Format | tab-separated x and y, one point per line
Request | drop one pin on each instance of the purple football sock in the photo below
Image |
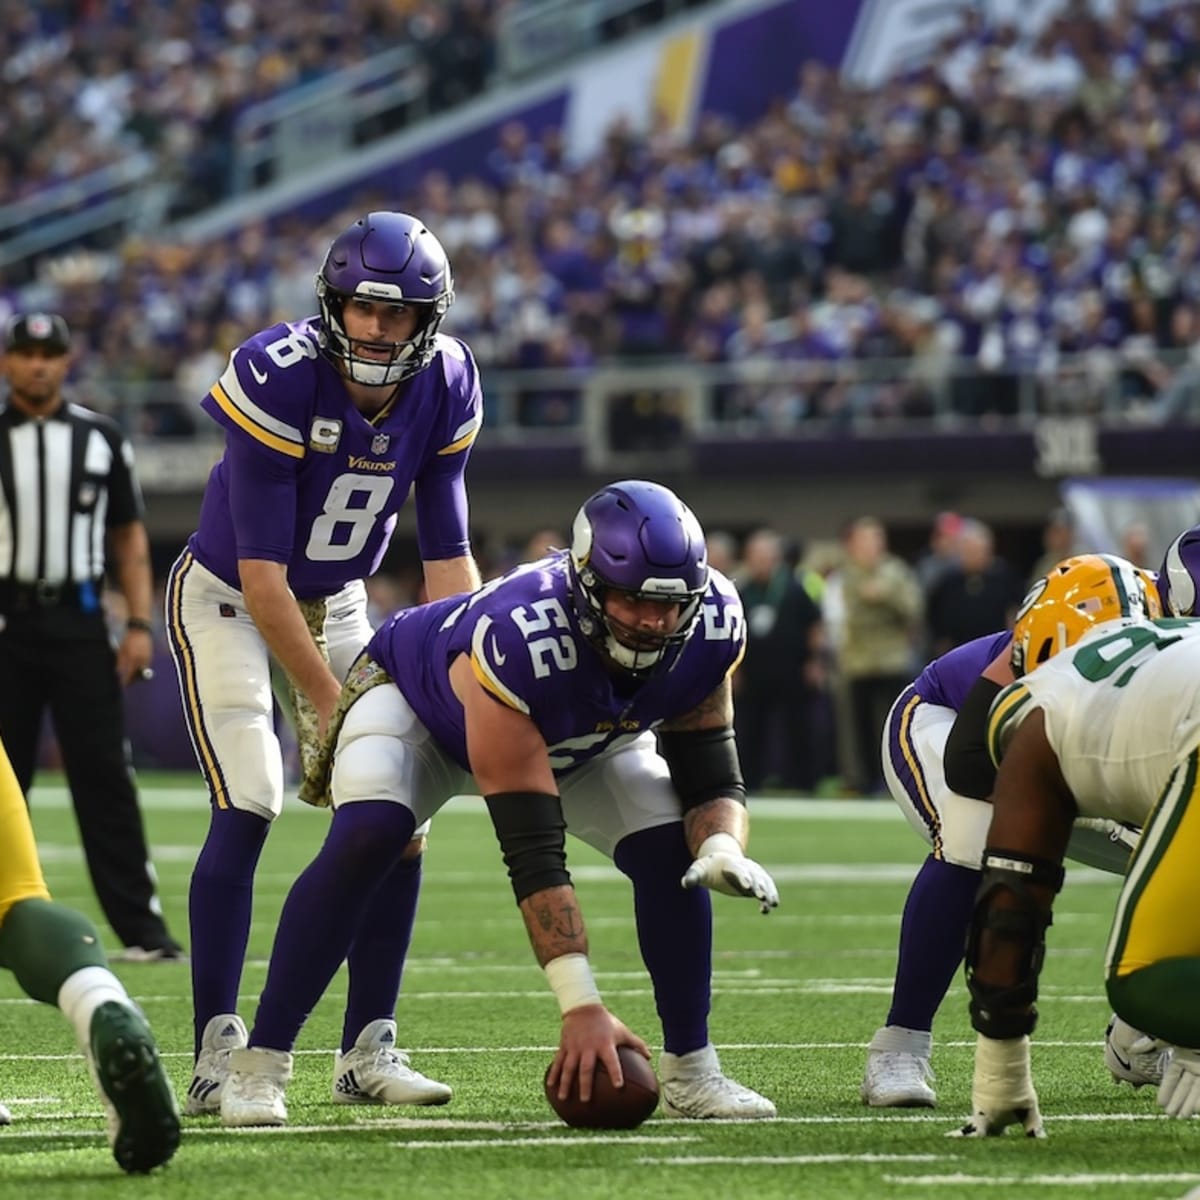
219	905
322	912
376	958
674	932
933	935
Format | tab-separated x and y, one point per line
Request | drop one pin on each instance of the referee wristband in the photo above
139	623
571	980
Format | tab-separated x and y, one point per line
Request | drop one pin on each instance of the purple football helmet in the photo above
1178	576
392	257
639	538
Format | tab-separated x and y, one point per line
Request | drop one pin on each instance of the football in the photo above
610	1107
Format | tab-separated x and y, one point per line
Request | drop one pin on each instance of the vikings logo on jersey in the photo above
527	650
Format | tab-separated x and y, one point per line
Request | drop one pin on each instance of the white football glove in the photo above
722	867
1132	1056
1002	1094
1179	1092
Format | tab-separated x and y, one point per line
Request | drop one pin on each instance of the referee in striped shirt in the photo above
70	510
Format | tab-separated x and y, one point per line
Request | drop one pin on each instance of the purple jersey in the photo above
309	481
948	679
526	649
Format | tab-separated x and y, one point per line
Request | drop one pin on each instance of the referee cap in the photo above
34	330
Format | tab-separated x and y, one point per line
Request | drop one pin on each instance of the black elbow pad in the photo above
967	765
532	836
703	765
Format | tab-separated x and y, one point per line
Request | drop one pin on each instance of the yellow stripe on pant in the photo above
20	871
1154	917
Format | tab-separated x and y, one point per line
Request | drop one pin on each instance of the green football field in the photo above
797	996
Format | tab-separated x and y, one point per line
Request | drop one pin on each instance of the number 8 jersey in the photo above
1121	709
306	479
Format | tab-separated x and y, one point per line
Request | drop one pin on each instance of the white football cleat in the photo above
222	1035
254	1088
694	1087
373	1071
898	1073
1132	1056
5	1116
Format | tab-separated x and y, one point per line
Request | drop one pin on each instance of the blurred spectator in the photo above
882	611
782	672
1058	542
722	549
942	552
978	595
1135	545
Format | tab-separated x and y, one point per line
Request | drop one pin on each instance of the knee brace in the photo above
999	1011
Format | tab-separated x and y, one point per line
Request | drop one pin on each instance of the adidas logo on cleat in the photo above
201	1089
230	1030
347	1085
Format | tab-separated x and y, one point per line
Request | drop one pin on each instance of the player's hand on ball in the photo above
721	866
1002	1094
1179	1092
590	1034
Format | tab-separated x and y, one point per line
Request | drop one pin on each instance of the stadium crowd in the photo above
85	84
1022	206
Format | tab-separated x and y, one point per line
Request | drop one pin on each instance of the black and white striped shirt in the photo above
65	479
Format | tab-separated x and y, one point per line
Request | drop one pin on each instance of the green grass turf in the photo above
797	996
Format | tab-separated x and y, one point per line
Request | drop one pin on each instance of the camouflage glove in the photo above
304	714
365	674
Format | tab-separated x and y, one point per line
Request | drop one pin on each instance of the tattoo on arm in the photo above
722	815
554	923
713	712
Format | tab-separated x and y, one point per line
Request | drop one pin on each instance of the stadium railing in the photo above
611	412
114	201
331	116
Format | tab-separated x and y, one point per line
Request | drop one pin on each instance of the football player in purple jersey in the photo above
588	691
936	764
329	423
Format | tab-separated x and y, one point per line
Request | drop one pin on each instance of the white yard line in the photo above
1087	1180
797	1047
785	1160
573	1141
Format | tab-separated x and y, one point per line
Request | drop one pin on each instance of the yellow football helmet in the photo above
1076	595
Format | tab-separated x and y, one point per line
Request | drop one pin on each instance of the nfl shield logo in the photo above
380	443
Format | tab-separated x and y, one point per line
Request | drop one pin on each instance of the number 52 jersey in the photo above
309	481
1121	710
527	650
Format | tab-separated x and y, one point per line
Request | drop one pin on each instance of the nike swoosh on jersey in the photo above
498	658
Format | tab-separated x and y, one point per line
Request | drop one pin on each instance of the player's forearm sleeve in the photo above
966	762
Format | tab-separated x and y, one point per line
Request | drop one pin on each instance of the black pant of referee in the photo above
56	656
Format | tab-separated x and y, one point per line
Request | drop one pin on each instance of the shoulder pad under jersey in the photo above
267	390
